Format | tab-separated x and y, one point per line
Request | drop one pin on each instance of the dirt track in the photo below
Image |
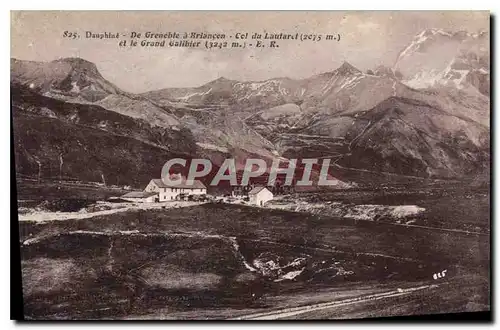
125	207
287	312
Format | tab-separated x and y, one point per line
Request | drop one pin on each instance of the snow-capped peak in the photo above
435	56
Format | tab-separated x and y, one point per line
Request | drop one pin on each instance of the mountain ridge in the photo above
437	131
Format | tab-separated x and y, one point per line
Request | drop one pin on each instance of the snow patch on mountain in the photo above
189	96
286	110
211	146
436	57
447	77
263	88
414	45
75	88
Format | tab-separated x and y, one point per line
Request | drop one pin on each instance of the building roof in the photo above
197	184
257	190
139	194
159	183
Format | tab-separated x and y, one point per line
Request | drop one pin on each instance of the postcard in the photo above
251	165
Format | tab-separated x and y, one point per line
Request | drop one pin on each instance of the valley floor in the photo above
223	261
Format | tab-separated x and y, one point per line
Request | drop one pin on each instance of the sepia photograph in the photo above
251	165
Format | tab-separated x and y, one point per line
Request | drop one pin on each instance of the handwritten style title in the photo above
207	40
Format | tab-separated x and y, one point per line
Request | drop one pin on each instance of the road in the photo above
287	312
43	216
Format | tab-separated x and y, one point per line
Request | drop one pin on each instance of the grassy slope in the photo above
91	141
87	153
218	285
32	191
451	206
293	228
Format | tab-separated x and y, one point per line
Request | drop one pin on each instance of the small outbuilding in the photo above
260	195
141	197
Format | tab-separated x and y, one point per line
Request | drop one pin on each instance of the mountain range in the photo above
428	116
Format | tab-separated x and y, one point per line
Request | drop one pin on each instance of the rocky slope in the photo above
79	81
341	90
57	139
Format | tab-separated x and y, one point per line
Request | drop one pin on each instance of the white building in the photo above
260	195
141	197
172	192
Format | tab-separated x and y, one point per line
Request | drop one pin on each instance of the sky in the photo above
368	39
